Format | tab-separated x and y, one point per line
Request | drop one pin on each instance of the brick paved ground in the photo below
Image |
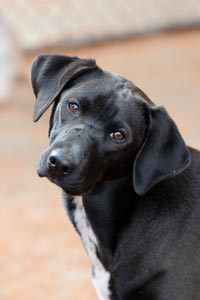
41	255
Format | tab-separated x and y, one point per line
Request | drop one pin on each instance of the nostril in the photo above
53	161
59	164
65	170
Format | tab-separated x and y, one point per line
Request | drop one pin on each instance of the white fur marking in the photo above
101	277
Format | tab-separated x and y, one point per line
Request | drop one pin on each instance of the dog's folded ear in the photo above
51	73
163	154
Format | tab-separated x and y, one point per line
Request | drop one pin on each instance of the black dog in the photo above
130	184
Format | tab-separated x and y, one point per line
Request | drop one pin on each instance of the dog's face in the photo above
102	127
93	134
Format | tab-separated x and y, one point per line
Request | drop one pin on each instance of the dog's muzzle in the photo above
69	163
59	164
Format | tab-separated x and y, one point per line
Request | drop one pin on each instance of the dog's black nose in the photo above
59	164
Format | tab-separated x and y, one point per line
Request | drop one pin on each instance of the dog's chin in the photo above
72	185
72	188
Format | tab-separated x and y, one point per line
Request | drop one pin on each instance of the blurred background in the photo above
154	43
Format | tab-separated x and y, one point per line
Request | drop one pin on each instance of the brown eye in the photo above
73	107
117	135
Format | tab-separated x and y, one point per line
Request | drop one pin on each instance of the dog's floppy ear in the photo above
163	154
50	74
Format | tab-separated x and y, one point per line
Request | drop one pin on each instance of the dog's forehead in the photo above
105	86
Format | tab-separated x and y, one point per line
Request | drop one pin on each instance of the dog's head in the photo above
102	127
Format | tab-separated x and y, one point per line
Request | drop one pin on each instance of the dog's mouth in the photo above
75	175
72	185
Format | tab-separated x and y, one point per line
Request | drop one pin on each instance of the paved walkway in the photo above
41	255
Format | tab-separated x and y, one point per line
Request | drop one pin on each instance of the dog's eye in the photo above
73	107
117	135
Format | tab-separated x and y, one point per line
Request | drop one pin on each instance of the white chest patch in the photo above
101	277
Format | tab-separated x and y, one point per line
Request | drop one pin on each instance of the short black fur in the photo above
141	195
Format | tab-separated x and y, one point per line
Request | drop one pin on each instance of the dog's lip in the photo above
40	173
73	187
66	183
71	184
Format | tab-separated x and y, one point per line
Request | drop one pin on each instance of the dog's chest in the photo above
101	278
